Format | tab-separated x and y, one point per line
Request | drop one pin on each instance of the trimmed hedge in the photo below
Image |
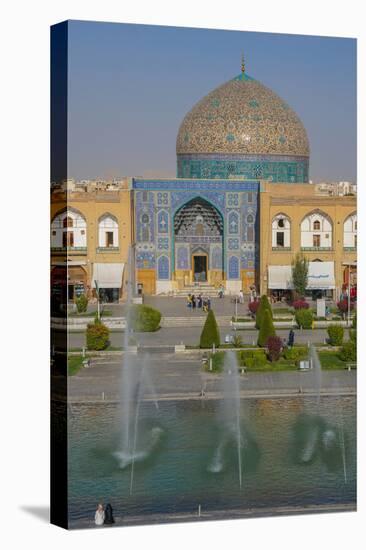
97	336
210	333
266	329
264	305
144	318
295	354
349	351
336	334
252	359
304	318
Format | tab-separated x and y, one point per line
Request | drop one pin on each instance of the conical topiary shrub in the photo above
210	333
263	306
266	330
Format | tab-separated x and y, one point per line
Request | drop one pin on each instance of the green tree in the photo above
266	329
210	333
300	271
264	305
304	318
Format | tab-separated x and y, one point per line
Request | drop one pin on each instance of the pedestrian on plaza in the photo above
208	303
193	301
291	338
205	304
108	515
241	296
221	291
199	301
99	515
189	300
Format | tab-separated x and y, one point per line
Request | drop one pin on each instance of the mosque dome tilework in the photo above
242	116
243	122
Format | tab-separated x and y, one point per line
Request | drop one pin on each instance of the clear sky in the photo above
131	85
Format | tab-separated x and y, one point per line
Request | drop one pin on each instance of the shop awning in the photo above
108	275
321	275
280	277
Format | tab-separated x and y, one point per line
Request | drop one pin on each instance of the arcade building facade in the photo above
239	210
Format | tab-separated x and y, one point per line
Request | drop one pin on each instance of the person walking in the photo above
241	296
199	301
189	300
108	515
99	515
291	338
193	301
208	303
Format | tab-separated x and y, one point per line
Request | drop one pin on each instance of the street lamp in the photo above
98	305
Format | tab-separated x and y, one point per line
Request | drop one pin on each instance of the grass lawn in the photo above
74	364
105	313
330	360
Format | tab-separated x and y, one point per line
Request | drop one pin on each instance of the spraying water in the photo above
310	426
135	385
229	415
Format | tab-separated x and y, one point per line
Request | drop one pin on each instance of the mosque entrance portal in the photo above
198	235
200	268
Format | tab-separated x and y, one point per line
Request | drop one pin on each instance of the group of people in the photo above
104	516
199	302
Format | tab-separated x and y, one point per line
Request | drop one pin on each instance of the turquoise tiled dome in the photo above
245	117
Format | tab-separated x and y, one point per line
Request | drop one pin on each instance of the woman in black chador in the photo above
108	515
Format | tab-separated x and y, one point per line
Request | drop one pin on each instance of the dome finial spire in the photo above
242	63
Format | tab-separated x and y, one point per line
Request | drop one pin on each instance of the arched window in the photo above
250	234
281	232
68	230
68	222
316	231
216	258
108	231
233	222
199	230
163	268
350	232
234	267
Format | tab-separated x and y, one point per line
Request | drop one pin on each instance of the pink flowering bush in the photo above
274	347
343	306
300	304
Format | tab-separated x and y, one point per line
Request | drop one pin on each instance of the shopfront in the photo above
321	281
108	277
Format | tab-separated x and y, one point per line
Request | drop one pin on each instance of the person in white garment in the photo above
99	515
